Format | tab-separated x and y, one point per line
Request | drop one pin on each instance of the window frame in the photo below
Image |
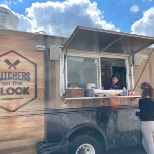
126	58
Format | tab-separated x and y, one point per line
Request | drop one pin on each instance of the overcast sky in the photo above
61	17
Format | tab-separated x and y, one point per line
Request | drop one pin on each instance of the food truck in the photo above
52	90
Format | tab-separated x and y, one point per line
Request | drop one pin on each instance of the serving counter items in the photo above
130	92
88	92
107	92
74	91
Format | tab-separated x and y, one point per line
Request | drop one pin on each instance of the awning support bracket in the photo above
112	43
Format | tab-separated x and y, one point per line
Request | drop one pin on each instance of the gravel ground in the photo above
133	150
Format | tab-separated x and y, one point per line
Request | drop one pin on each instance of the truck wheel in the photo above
84	144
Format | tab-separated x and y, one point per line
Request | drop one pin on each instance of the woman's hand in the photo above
137	110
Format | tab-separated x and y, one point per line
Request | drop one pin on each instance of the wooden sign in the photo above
18	81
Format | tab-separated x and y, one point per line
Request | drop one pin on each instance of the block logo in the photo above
18	81
12	65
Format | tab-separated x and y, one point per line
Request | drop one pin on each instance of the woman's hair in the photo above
115	76
147	90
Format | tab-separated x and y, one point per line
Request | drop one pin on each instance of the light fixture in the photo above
40	47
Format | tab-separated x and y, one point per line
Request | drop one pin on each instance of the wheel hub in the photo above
85	149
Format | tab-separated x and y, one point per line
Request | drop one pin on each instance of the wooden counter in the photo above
131	98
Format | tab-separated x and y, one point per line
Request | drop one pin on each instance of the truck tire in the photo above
84	144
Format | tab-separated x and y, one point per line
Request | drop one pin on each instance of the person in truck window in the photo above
146	114
114	83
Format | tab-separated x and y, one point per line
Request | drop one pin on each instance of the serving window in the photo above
95	71
110	66
81	71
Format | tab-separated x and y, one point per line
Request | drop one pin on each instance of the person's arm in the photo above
118	85
137	112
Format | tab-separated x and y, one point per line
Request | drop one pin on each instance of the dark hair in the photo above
115	76
147	90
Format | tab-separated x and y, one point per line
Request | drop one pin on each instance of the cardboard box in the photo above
70	93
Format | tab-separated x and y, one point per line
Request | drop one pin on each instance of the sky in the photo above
61	17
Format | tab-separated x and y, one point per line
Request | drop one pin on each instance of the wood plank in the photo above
30	149
21	135
18	143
